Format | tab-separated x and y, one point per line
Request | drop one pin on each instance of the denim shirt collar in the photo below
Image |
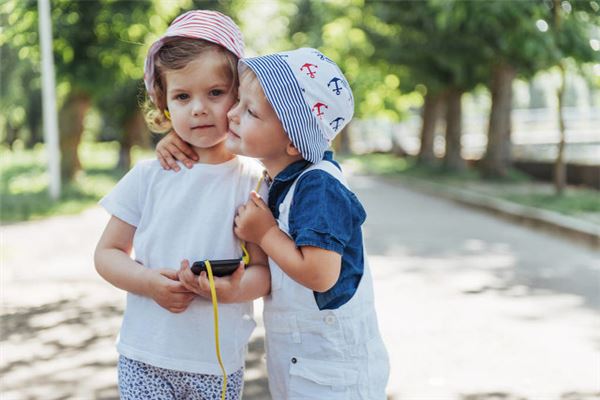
279	186
292	171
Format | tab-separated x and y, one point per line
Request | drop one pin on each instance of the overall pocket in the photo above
320	379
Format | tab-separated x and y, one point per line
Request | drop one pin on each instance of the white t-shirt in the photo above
184	215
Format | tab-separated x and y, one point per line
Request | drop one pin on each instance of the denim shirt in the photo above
324	214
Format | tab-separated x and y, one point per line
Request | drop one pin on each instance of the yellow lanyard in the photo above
213	296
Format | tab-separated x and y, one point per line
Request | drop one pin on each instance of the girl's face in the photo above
254	128
198	98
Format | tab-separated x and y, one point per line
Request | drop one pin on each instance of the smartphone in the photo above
219	267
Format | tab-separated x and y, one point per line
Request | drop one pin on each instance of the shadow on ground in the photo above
65	350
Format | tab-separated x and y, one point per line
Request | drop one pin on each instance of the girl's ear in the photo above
291	150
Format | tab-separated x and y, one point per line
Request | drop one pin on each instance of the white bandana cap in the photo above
211	26
310	95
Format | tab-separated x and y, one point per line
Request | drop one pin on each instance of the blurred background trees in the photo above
402	58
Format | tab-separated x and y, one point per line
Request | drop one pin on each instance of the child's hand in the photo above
172	148
168	292
227	287
253	220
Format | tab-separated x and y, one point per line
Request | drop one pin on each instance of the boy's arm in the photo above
245	284
114	264
172	148
315	268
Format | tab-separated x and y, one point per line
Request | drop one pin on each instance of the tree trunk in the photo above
560	169
71	118
497	158
134	131
429	118
452	158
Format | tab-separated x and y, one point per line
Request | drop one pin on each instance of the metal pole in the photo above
49	98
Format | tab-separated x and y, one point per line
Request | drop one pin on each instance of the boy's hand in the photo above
172	148
226	287
253	220
168	292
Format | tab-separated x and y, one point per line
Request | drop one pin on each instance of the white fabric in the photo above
329	354
184	215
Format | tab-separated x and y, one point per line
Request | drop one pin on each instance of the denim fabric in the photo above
324	214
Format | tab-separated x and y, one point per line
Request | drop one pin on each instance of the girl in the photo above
321	331
167	342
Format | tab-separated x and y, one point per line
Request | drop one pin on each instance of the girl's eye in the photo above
182	96
216	92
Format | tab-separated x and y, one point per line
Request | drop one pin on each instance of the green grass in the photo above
517	187
572	202
24	181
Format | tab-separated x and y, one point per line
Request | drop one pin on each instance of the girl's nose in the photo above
198	108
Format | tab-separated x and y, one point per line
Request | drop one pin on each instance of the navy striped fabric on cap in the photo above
310	95
208	25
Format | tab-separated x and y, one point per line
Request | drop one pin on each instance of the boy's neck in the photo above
213	155
275	166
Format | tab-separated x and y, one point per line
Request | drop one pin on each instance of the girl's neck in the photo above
213	155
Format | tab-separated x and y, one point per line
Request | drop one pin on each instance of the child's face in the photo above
198	98
254	128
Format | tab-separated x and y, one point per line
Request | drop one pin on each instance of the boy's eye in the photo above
182	96
252	114
216	92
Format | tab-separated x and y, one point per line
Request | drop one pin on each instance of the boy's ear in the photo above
291	150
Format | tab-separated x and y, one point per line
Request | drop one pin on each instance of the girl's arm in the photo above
245	284
172	148
114	264
315	268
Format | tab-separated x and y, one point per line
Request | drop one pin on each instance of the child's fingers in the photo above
186	152
168	158
258	201
163	163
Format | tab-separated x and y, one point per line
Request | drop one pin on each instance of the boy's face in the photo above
198	98
254	128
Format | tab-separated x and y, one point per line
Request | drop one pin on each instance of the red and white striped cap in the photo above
211	26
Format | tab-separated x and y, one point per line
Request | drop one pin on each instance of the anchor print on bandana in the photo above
335	124
309	69
317	107
337	89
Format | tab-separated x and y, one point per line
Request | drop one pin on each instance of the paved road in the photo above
471	307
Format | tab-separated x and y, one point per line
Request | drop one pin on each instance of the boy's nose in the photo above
232	113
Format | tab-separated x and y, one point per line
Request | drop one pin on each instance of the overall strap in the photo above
322	165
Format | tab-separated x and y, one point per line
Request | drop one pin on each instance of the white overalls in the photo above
322	355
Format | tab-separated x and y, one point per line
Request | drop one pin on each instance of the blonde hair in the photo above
176	54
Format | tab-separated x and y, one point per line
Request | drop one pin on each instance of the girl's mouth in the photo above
202	127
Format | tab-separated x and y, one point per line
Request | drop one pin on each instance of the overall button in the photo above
294	360
329	319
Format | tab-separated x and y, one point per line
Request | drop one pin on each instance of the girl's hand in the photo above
253	220
172	148
168	292
226	287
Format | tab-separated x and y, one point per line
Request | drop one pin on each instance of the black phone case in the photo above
219	267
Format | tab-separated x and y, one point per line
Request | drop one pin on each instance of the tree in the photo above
572	26
429	38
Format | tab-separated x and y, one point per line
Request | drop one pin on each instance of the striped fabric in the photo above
196	24
310	95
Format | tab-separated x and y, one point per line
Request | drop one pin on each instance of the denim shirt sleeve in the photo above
324	212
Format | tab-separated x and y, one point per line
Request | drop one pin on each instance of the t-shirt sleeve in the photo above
125	200
324	213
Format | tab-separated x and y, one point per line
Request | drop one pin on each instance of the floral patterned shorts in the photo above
138	380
